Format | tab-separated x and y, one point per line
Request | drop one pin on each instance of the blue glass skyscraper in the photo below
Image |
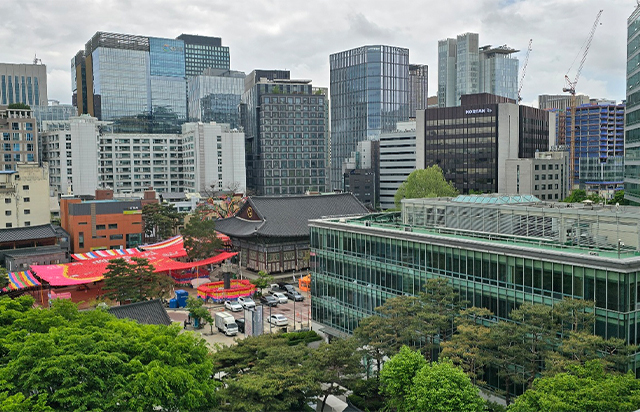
369	95
632	122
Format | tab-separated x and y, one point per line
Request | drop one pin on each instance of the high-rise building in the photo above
215	96
560	101
471	143
466	68
397	161
418	88
599	134
362	173
19	137
632	126
24	193
203	52
54	111
369	95
499	71
23	83
284	127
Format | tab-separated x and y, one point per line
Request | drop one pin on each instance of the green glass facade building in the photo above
498	252
632	111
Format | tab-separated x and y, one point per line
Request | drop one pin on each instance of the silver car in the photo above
278	320
246	302
232	305
282	298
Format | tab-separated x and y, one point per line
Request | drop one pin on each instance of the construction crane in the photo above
571	89
524	70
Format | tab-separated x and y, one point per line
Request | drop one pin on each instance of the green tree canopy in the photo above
134	281
618	198
580	195
587	388
69	360
200	237
160	220
19	106
396	377
262	281
4	278
422	183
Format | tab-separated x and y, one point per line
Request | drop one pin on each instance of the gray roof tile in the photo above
27	233
150	312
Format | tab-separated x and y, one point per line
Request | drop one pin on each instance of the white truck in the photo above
226	323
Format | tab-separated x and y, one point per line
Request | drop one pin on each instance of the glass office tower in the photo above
369	95
632	126
499	71
215	95
202	52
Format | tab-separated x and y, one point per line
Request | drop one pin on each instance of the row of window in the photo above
8	225
26	212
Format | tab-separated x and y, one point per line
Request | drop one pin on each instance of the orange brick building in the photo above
104	223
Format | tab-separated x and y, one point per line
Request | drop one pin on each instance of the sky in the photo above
300	35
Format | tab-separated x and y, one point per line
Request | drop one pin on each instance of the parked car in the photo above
295	295
246	302
240	323
232	305
282	298
278	320
268	300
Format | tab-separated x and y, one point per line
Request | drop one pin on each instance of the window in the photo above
6	200
535	187
15	126
9	225
27	199
544	167
537	167
113	225
81	239
27	211
27	223
116	237
536	177
550	177
101	227
82	223
7	212
25	187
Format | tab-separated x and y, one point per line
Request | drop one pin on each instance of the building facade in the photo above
447	73
397	161
285	136
70	147
23	83
602	178
215	96
497	254
203	52
599	133
418	88
471	143
213	158
546	176
632	122
369	95
25	196
362	173
19	137
499	71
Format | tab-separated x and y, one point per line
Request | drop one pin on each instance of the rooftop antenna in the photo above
36	60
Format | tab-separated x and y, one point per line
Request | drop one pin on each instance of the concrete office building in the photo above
514	250
466	68
362	173
213	158
25	195
560	102
204	52
285	135
471	143
19	137
632	122
418	88
397	161
327	129
23	83
545	176
599	134
215	96
369	95
71	149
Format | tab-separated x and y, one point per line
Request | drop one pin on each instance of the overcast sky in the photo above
299	35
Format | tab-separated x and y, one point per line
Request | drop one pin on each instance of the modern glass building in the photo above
285	134
632	126
203	52
467	65
215	96
418	87
499	71
369	95
497	251
447	73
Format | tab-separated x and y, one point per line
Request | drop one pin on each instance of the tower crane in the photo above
571	89
524	70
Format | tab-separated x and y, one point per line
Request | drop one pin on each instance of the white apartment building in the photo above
213	158
397	161
19	137
24	193
71	149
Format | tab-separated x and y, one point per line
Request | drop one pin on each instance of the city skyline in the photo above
255	34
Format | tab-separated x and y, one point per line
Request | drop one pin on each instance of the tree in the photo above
618	198
21	106
65	359
422	183
134	281
396	377
580	195
587	388
263	280
337	364
160	220
377	337
200	236
4	278
443	387
196	309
